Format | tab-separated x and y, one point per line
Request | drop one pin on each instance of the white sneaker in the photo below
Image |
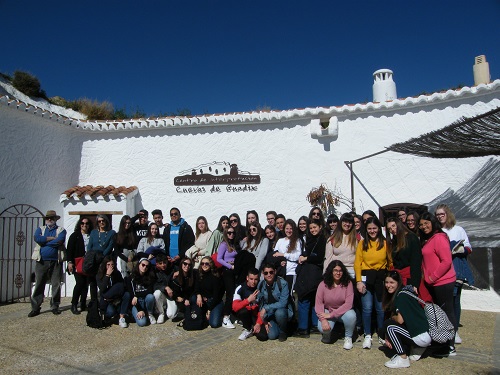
397	362
152	319
226	323
416	353
381	341
161	319
367	342
348	343
458	339
122	323
245	335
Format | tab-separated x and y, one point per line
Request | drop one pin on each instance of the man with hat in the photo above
49	242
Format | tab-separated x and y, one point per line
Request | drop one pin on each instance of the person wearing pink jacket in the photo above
437	268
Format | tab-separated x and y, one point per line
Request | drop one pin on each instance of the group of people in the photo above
306	275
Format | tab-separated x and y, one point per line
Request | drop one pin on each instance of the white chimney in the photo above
384	88
481	70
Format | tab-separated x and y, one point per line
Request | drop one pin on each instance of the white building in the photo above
187	162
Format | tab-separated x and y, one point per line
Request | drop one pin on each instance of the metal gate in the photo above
17	226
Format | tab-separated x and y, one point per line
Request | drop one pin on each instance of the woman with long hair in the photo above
302	226
226	256
140	285
114	298
460	250
332	221
309	275
209	290
412	220
202	235
252	217
334	300
101	240
288	249
358	225
77	244
152	240
239	230
437	268
407	330
125	245
342	244
406	252
371	262
217	236
256	243
180	288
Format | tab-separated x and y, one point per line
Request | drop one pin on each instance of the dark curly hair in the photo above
328	275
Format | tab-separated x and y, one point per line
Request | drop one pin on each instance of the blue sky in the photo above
232	56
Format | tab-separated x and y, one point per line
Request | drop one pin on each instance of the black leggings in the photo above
229	286
443	297
81	289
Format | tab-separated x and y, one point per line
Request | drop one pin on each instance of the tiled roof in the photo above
92	191
261	117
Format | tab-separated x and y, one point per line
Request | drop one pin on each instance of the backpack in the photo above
91	262
440	328
94	318
194	319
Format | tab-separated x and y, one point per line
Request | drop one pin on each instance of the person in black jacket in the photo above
114	298
309	275
76	249
209	290
182	234
180	288
140	285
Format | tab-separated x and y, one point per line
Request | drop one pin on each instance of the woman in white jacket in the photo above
289	247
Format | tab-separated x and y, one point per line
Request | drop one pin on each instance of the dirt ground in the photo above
64	344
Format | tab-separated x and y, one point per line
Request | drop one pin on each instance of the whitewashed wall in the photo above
289	161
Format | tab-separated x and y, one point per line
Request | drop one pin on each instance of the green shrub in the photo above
28	84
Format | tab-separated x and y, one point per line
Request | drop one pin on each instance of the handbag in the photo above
440	328
214	258
79	265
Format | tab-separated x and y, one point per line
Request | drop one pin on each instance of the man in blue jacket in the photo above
49	242
274	309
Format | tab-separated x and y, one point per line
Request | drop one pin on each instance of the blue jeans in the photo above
146	304
367	302
348	319
121	308
279	322
305	310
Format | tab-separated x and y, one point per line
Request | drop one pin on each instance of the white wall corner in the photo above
318	132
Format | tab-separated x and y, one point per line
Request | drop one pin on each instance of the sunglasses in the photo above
268	273
174	214
186	264
144	265
233	220
230	233
316	213
100	221
84	223
205	263
253	229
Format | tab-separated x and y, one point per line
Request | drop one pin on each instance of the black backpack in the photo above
91	262
94	317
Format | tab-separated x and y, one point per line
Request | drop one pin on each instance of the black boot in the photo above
74	309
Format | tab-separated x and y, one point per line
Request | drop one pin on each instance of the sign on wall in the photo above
216	177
